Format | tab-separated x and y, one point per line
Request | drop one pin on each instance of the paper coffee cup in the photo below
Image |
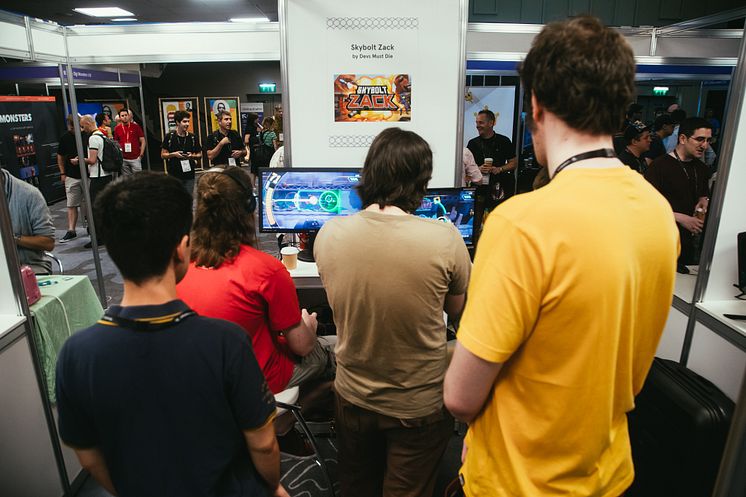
486	176
289	257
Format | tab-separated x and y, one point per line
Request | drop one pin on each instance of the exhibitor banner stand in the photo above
28	142
349	73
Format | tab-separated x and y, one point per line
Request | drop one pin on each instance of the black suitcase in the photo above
678	431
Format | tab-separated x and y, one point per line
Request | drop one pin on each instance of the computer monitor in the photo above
301	200
451	205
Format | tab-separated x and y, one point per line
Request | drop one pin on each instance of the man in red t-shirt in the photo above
132	141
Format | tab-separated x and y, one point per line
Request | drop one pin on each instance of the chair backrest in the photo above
57	260
288	396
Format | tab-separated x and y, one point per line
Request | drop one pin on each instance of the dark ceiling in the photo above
146	11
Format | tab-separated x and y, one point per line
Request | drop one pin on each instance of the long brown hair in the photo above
222	222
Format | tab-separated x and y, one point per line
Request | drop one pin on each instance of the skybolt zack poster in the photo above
372	98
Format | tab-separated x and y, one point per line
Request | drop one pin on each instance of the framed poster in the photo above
216	104
113	108
168	106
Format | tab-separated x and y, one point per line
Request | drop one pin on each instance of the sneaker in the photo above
68	236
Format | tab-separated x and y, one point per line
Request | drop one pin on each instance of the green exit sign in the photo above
660	91
267	87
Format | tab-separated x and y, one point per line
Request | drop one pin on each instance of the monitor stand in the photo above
306	255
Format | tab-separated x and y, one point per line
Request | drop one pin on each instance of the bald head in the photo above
87	123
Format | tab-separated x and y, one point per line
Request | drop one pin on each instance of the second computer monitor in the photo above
451	205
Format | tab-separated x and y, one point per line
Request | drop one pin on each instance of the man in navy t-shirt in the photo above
155	400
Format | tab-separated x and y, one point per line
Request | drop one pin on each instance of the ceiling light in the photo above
249	19
104	12
124	19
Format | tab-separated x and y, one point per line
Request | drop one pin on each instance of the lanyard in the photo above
601	152
153	324
686	173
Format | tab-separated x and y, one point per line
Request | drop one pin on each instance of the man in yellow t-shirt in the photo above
570	291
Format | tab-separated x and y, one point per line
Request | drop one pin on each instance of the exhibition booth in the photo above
442	70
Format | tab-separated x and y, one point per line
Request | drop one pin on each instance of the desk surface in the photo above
68	304
306	275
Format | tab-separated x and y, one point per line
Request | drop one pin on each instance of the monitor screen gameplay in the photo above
303	199
451	205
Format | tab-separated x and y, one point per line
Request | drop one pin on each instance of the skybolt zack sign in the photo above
372	98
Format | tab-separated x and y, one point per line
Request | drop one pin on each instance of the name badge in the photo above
231	161
185	166
128	147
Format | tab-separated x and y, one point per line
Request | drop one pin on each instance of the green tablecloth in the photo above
68	304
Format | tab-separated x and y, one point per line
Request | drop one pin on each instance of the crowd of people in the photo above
171	393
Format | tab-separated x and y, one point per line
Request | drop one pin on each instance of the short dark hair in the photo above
143	218
219	114
180	115
100	117
490	115
678	115
634	109
581	71
397	169
123	109
662	120
688	126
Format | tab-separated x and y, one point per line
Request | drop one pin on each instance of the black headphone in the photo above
241	178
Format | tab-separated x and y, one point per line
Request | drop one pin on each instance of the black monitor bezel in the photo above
260	191
454	189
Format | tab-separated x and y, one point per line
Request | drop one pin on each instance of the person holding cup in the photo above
229	278
499	169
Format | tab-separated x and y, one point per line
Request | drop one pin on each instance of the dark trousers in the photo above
96	186
385	456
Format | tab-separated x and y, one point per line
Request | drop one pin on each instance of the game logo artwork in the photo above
304	200
370	98
451	205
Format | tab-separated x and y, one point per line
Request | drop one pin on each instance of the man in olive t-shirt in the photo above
389	276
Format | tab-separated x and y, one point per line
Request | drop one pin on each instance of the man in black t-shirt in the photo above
70	176
500	173
502	152
155	400
182	151
682	178
224	146
636	143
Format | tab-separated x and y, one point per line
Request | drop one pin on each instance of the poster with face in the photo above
213	105
169	106
112	109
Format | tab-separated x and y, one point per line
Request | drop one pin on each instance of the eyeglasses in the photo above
701	139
